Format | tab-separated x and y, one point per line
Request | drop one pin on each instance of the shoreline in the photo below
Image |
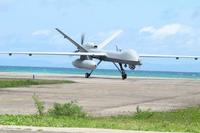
111	73
53	75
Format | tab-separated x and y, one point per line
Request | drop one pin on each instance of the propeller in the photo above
82	42
82	39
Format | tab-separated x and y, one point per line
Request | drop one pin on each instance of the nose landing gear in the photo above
124	75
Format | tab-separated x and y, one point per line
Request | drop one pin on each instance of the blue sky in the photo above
149	26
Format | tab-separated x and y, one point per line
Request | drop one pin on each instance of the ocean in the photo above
74	71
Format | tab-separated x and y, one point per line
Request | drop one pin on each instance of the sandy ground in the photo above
102	96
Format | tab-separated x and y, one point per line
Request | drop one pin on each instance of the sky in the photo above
149	27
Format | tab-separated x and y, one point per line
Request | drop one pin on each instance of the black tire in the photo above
87	75
124	76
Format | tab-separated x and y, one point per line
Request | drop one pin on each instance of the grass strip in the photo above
26	82
182	120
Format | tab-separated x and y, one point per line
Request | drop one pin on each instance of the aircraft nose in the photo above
139	62
133	55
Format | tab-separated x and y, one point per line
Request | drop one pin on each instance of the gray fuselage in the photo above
124	57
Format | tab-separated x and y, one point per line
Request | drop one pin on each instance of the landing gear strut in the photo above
124	75
87	75
121	70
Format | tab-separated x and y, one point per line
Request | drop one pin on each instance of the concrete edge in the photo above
71	130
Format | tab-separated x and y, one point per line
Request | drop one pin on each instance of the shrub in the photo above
38	104
140	114
138	110
70	109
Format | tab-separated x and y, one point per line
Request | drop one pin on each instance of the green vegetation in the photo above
70	109
27	82
183	120
38	104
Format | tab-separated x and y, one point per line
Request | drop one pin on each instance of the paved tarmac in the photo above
103	96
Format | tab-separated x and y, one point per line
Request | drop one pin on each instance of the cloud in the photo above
170	38
166	30
149	29
42	33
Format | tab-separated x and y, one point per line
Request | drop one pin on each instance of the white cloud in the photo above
41	33
149	29
166	30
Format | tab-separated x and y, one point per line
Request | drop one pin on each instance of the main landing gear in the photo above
87	75
121	70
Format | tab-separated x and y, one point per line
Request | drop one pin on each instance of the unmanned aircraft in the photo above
89	51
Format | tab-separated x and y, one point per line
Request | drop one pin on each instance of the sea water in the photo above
109	72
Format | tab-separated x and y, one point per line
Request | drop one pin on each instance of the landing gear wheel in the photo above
87	75
124	76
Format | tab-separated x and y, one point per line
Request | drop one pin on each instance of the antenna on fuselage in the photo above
117	49
82	39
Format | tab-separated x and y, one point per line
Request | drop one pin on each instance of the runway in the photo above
103	96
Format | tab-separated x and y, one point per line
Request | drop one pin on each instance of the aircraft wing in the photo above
108	40
168	56
55	53
72	41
